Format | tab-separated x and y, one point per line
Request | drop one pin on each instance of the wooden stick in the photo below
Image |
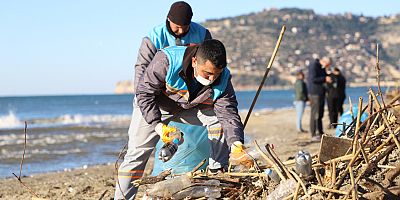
286	163
333	173
351	108
358	122
376	160
355	139
353	185
378	73
245	174
269	161
363	153
271	60
277	160
288	197
383	127
301	182
318	177
391	175
383	166
341	179
316	187
296	192
385	120
379	130
370	109
380	147
338	159
198	166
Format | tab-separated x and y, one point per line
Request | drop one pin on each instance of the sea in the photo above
75	131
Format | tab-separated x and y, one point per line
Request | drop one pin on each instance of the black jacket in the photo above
316	78
336	89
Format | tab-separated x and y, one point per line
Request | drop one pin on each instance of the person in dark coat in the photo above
335	96
316	79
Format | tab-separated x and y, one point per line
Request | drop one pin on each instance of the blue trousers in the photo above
300	106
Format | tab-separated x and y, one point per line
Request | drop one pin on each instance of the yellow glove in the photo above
238	155
168	133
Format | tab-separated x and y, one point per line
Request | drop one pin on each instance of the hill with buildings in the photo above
350	40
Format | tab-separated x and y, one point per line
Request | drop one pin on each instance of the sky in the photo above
60	47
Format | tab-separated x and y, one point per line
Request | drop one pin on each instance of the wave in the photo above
9	154
11	121
61	138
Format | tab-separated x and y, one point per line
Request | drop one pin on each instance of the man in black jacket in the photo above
335	96
316	79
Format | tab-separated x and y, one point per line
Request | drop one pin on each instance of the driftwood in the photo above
353	175
367	168
152	179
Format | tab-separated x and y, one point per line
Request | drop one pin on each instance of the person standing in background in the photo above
316	79
301	97
335	96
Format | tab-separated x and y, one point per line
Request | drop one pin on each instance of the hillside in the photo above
350	40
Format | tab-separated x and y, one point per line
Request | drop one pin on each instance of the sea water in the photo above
65	132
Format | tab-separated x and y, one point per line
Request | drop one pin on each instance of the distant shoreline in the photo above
287	87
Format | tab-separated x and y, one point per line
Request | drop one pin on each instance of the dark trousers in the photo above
317	113
335	108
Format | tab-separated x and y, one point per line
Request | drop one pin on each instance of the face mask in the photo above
202	80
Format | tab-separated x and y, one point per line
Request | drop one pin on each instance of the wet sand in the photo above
94	182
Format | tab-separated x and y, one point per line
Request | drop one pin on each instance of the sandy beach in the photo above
97	182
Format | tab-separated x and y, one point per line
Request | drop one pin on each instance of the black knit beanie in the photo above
180	13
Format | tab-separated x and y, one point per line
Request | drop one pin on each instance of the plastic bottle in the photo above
177	137
284	189
273	175
209	192
303	163
169	187
169	149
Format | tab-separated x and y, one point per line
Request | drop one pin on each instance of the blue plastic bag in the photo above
191	152
348	118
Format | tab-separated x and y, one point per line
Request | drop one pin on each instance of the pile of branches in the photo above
368	170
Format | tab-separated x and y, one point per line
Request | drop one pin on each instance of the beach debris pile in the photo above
365	165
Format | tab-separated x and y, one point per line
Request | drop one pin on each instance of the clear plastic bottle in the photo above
284	189
303	163
210	192
169	187
273	175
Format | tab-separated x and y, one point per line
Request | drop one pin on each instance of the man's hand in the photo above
328	79
239	156
166	132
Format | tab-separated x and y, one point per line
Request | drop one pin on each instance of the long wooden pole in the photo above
271	60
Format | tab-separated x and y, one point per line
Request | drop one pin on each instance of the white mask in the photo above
201	79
